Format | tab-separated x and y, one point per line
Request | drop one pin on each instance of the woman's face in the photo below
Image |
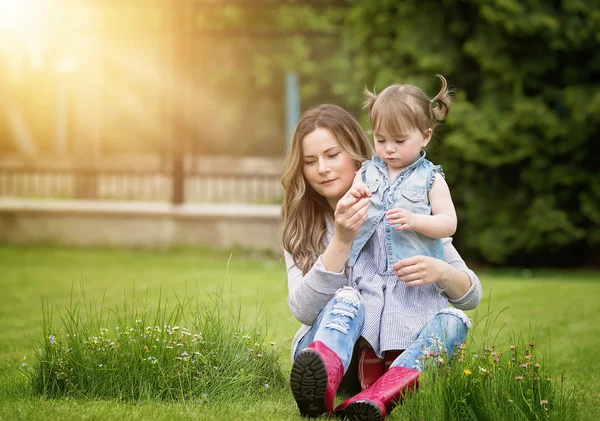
327	168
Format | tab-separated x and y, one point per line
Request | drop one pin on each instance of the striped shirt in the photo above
394	312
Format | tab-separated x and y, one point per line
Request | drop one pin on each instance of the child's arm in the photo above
442	221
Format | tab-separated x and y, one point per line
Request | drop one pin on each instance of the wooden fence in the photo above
139	185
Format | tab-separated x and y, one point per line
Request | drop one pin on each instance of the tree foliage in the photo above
520	148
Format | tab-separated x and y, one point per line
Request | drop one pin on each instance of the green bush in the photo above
520	145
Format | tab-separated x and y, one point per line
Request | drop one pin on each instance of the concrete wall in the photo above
139	224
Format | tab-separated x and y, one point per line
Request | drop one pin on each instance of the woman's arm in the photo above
308	294
460	284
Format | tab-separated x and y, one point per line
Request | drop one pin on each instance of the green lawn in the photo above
560	308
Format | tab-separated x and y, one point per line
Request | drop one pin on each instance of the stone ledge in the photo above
139	224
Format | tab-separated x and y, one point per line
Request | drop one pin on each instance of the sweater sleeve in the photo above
309	294
473	296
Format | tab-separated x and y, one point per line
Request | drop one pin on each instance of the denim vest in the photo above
408	190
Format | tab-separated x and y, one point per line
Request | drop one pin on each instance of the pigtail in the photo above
441	102
369	101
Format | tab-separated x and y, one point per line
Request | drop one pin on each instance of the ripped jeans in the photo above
340	323
443	333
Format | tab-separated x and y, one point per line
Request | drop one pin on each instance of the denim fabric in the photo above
409	190
338	326
444	333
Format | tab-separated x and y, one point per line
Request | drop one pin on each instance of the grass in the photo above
557	308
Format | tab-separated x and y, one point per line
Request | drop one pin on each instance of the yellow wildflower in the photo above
467	371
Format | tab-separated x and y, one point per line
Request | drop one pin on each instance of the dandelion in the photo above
52	339
518	377
467	372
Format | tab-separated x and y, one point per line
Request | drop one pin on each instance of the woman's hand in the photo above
351	212
422	270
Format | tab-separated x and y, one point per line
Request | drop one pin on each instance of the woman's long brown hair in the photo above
304	211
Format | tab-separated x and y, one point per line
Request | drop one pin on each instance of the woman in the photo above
321	218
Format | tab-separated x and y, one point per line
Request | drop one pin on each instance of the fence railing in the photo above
144	185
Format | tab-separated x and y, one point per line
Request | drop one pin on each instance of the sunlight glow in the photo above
20	16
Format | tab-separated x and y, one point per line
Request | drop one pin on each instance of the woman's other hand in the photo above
422	270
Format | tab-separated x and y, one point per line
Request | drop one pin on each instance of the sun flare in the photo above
21	16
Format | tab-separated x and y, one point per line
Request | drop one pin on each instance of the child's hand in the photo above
402	219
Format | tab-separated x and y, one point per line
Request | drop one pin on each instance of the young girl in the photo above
410	211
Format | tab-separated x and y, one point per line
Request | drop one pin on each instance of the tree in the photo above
520	147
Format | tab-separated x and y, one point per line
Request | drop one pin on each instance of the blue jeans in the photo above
444	333
339	325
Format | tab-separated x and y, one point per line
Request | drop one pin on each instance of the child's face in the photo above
400	151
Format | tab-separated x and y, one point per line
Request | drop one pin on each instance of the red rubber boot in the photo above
316	374
370	367
374	403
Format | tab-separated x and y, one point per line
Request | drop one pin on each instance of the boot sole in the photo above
308	381
363	411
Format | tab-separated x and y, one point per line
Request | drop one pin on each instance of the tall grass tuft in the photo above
484	381
200	350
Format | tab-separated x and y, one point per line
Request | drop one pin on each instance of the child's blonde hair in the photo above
400	107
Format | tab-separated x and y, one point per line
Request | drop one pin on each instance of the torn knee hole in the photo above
349	296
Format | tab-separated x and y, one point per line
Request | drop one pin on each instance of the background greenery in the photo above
520	147
554	308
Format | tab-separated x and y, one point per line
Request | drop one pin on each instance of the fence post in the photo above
292	102
179	63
